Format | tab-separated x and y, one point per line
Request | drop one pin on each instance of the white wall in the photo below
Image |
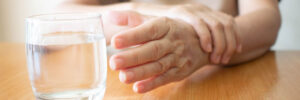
13	12
289	34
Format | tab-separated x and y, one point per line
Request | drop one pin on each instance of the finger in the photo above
238	39
148	70
230	37
217	30
151	30
204	35
235	30
154	82
231	46
148	52
200	27
125	18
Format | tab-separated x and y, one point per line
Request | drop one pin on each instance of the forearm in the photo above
143	8
258	31
109	28
71	6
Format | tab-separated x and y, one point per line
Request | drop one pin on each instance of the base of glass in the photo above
94	94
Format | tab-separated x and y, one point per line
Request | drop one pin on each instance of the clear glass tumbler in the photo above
66	56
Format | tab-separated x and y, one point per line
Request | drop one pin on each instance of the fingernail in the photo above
112	65
137	88
115	62
209	48
126	76
122	76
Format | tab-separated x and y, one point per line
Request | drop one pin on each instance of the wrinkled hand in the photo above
216	30
163	50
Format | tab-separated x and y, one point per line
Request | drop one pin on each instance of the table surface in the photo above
274	76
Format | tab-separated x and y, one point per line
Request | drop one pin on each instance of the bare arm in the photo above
92	6
96	6
258	24
102	7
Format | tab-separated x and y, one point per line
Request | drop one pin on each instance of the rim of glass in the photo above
42	17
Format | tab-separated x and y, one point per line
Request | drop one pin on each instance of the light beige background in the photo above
13	12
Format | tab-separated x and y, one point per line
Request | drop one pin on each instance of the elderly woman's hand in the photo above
162	50
216	30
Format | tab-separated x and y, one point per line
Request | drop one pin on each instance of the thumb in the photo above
125	18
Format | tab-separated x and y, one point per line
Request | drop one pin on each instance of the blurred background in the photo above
13	12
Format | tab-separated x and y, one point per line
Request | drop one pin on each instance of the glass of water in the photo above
66	56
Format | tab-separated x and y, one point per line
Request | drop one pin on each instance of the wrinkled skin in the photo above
216	30
163	50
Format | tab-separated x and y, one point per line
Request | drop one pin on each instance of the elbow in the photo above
275	27
271	24
277	20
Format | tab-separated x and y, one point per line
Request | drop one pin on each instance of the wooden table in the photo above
274	76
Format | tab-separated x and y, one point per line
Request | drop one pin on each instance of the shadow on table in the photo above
252	80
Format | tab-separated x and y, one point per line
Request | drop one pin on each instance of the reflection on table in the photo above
274	76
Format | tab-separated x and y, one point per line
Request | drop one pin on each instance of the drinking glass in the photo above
66	56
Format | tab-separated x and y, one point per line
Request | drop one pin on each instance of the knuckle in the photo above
198	22
136	57
156	50
173	60
216	25
154	31
143	72
168	46
228	24
160	27
180	47
160	66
